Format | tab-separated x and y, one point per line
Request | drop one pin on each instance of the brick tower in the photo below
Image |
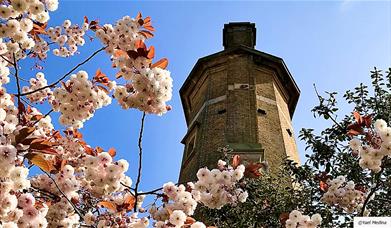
239	97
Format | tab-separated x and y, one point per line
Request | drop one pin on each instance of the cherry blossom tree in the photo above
78	185
347	172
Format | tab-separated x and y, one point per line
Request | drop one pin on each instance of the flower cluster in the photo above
123	36
17	210
343	194
120	204
65	186
371	155
62	214
4	70
41	49
147	88
18	18
70	149
297	219
214	188
43	125
103	176
36	83
34	215
78	99
68	37
8	114
217	187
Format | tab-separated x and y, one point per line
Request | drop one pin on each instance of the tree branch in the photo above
18	95
332	118
373	190
140	155
66	74
63	194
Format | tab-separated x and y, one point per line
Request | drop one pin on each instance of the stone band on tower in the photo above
239	97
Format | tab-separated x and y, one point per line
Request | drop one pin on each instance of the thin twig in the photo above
17	84
140	156
45	193
63	194
66	74
43	117
7	60
27	102
332	118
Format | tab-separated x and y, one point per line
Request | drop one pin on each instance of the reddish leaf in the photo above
40	161
99	74
94	25
147	19
36	117
161	63
355	129
28	141
151	52
119	53
129	202
38	28
63	163
29	110
75	200
235	161
112	152
283	217
89	150
140	44
323	186
99	149
149	28
23	134
252	170
189	220
139	52
138	16
21	108
367	120
109	205
357	117
146	34
85	19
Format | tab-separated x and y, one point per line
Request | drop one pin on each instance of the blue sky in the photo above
331	43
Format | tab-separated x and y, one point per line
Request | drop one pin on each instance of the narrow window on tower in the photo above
289	132
190	146
222	111
261	111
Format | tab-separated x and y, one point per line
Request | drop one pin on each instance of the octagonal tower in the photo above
239	97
